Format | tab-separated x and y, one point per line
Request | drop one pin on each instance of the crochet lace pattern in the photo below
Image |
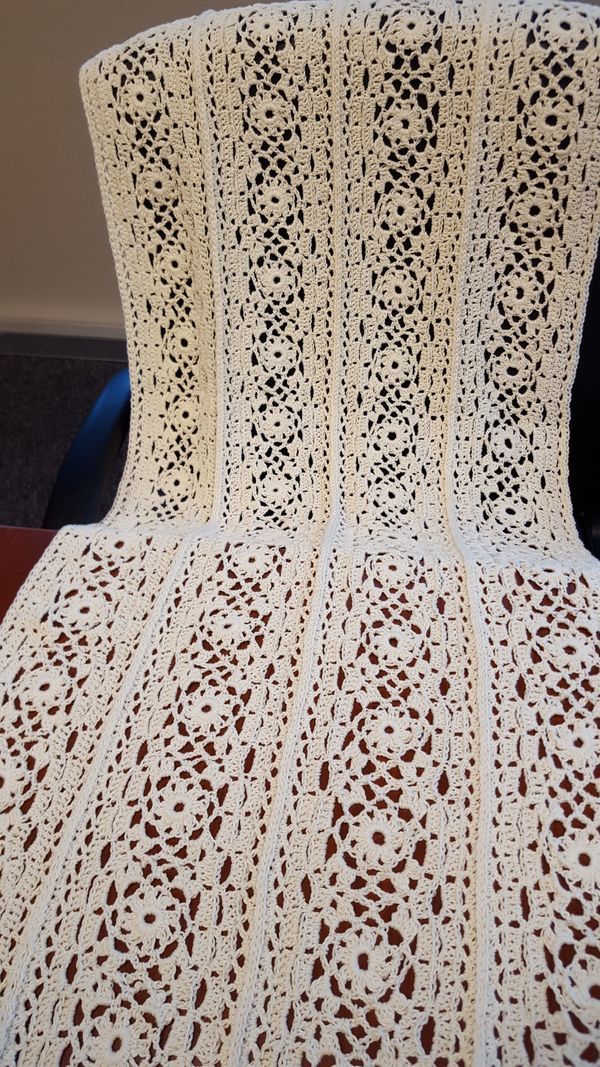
298	744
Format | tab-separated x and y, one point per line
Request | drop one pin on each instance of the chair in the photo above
81	482
299	741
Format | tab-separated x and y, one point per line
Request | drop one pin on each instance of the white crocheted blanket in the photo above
298	744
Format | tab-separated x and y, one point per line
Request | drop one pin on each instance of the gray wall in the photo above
56	269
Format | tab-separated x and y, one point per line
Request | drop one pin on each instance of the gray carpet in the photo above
43	402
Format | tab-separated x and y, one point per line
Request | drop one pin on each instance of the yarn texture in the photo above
299	745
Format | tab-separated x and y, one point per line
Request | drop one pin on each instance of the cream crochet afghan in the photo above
298	744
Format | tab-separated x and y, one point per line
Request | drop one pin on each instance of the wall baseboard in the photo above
62	345
62	327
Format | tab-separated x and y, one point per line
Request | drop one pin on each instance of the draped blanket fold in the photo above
298	745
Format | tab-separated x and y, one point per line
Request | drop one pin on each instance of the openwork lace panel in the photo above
298	745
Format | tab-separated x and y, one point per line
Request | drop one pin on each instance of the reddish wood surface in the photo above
20	549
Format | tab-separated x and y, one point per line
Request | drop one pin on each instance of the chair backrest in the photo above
353	242
584	451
